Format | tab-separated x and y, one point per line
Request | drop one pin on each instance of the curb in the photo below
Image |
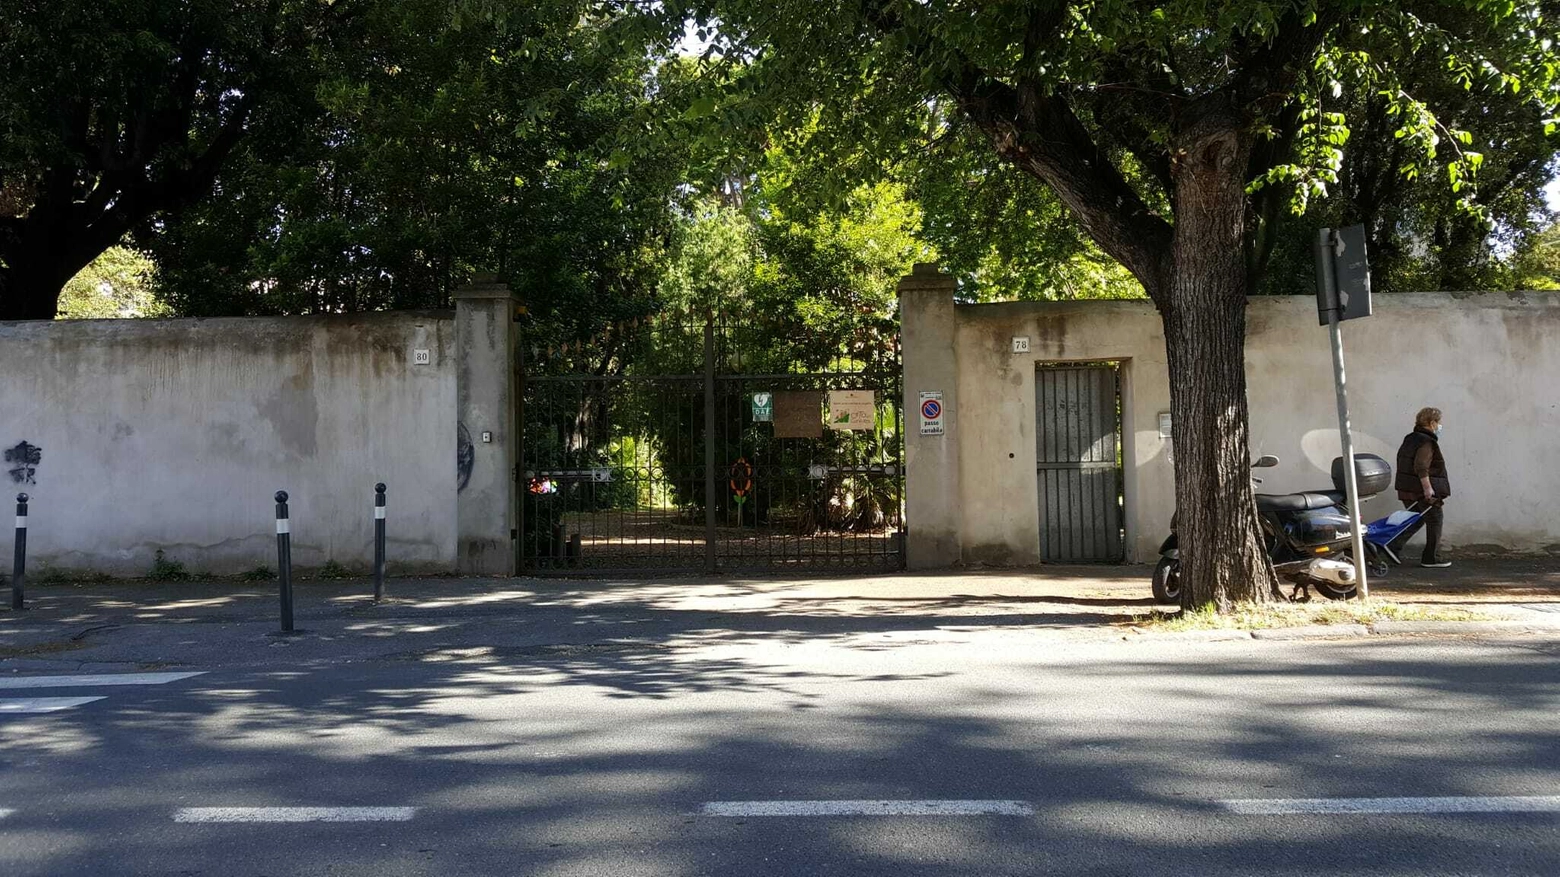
1387	628
1312	631
1348	631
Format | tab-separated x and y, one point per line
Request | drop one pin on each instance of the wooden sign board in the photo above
798	414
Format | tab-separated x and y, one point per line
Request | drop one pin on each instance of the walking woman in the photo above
1421	478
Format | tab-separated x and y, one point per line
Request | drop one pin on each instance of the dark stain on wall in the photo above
465	456
24	460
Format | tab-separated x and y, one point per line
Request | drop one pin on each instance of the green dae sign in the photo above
763	407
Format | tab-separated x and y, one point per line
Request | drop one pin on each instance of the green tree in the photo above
1005	235
1420	236
1536	264
118	283
479	148
117	111
1175	132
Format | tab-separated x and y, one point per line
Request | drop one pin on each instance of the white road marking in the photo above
4	812
294	814
868	808
90	680
17	706
1285	806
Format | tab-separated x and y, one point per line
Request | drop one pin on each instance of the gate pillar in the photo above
932	519
488	438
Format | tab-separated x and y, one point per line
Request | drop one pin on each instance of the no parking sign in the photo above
932	413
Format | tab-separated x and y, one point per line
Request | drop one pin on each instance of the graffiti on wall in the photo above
23	460
465	456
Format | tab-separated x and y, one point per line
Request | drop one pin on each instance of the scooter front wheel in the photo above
1167	581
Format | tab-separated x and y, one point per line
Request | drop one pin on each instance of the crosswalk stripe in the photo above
28	705
4	812
868	808
1496	804
91	680
294	814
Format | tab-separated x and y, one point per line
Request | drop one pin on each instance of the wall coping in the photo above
1515	300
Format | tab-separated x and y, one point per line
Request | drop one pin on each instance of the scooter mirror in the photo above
1266	461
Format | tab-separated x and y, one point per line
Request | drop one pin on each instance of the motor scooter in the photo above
1308	535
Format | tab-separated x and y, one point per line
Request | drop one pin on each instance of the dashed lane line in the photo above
91	680
21	706
868	808
1292	806
294	814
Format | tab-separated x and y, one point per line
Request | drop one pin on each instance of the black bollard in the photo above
379	542
284	559
19	567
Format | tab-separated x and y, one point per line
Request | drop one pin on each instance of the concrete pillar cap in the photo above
484	286
927	276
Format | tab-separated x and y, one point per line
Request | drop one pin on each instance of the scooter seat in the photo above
1298	502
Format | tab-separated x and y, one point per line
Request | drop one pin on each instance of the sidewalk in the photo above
223	621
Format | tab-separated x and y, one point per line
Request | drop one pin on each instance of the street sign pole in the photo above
1327	279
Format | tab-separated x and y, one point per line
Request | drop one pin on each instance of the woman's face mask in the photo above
1438	429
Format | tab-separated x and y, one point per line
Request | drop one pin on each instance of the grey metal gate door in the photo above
1077	437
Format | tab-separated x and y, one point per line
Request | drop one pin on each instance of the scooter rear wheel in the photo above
1167	581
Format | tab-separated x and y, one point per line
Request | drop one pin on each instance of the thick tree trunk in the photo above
1222	557
41	252
31	282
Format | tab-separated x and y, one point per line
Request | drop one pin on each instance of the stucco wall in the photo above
174	434
1482	359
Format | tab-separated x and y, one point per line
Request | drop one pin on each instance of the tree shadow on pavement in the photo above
596	761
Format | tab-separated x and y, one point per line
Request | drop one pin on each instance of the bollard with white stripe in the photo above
379	542
19	566
284	559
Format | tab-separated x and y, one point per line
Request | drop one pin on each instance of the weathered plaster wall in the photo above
174	434
1483	359
1491	362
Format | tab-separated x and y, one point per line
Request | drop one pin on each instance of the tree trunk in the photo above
33	277
1222	558
41	252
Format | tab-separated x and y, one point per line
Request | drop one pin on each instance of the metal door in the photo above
1077	442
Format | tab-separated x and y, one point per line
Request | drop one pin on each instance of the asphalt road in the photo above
999	752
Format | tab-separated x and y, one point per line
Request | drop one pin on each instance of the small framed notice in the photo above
852	409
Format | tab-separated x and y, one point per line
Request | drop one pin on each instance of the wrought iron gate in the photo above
702	443
1077	429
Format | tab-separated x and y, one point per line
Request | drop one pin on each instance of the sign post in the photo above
1343	293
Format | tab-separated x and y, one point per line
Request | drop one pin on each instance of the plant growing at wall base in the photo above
69	577
165	569
333	570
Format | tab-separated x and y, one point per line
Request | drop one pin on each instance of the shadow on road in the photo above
589	761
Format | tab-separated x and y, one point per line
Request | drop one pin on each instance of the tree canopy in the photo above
1177	134
116	111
